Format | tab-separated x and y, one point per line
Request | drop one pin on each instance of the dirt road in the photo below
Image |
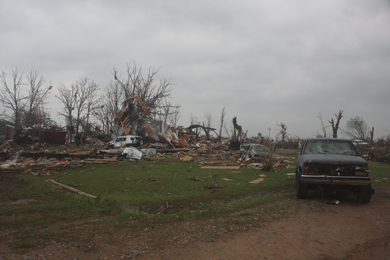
318	231
345	231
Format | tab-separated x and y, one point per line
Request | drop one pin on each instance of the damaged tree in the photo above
68	99
223	114
143	86
28	112
282	132
168	113
357	128
372	136
36	99
91	105
136	119
237	128
323	127
80	97
174	117
111	102
209	120
143	99
85	89
335	126
12	98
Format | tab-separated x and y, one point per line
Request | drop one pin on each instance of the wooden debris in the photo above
255	165
78	192
257	181
187	158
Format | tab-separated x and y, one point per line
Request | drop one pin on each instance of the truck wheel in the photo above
301	187
364	194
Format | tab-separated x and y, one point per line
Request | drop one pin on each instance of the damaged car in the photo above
330	162
257	152
359	142
126	141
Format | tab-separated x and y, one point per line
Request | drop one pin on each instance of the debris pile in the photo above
378	155
148	139
205	153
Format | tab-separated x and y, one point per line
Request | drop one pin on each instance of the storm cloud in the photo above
266	62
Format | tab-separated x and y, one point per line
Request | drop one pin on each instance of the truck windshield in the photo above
330	147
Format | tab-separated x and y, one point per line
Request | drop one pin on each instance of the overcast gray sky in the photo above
266	62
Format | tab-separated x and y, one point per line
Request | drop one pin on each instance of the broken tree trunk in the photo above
78	192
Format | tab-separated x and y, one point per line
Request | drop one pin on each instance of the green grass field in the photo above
148	187
134	194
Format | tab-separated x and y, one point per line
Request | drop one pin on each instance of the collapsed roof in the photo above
136	119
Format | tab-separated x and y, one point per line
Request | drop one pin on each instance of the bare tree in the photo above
209	120
174	117
282	131
91	103
100	113
223	114
68	99
113	100
35	115
167	113
12	98
357	128
335	126
323	127
79	97
80	100
230	134
143	86
193	119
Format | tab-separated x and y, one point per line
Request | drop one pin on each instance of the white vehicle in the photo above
359	142
126	141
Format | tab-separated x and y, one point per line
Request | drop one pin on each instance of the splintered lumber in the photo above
78	192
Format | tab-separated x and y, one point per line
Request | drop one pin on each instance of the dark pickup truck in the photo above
332	162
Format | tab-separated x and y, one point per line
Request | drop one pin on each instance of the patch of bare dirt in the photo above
345	231
318	230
